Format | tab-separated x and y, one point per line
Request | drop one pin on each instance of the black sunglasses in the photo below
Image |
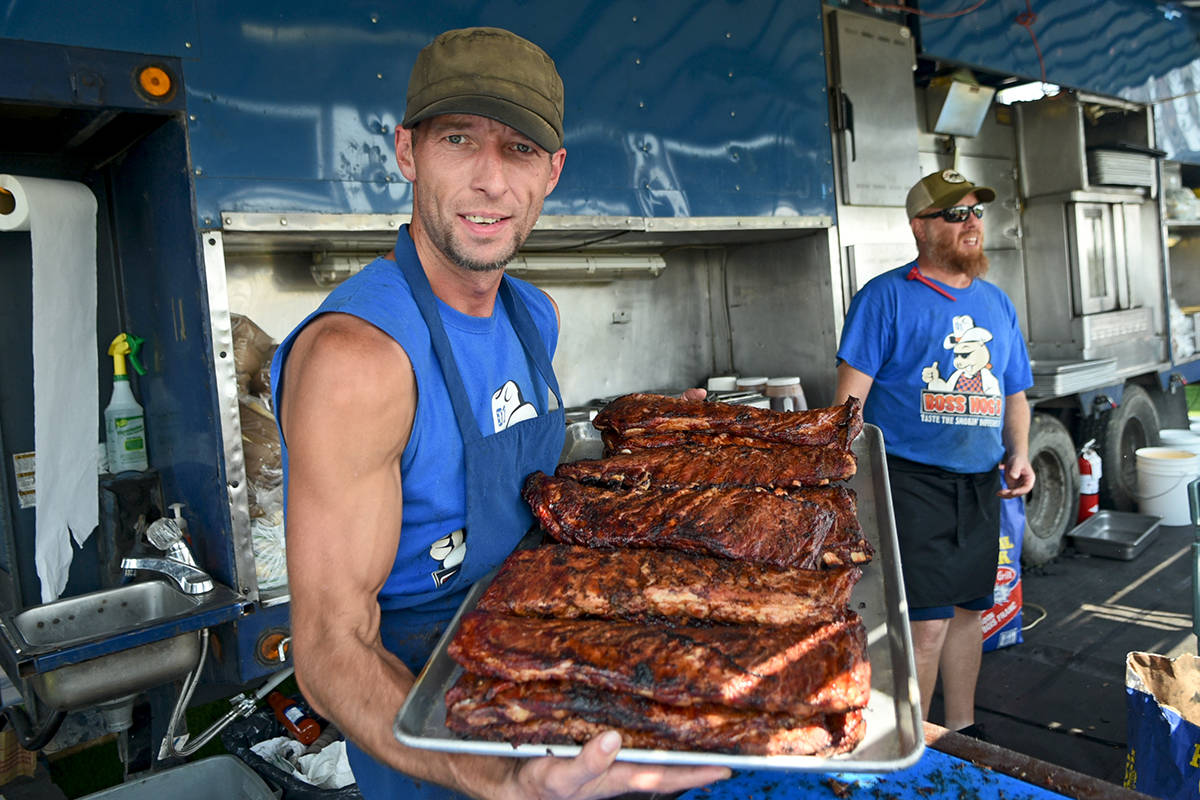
956	213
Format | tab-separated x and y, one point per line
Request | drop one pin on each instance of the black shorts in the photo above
948	526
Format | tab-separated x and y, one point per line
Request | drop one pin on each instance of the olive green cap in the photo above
493	73
942	190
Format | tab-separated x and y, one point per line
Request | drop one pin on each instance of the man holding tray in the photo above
412	405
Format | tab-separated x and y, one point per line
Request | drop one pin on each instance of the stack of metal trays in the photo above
1120	168
1053	378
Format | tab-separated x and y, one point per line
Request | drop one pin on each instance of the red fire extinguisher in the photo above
1089	481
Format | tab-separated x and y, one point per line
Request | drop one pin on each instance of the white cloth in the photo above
327	769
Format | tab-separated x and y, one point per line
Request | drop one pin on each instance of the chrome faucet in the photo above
178	563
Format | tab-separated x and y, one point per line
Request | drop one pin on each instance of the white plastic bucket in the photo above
1163	474
1180	439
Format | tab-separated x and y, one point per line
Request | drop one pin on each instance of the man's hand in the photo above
694	394
1018	475
595	773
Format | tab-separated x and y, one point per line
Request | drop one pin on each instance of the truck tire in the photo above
1132	425
1052	505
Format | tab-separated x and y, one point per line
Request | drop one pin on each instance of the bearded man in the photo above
954	446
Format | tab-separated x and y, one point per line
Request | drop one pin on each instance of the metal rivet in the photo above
229	220
283	220
379	75
199	171
374	18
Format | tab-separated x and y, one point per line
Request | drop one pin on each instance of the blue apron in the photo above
497	517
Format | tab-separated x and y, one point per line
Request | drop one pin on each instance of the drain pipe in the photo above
243	706
24	727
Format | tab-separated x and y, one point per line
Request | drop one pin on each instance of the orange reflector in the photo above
8	203
155	81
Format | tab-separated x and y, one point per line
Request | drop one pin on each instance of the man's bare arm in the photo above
851	383
1018	472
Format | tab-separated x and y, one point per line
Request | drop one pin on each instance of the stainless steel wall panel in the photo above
783	308
1051	335
876	136
1045	168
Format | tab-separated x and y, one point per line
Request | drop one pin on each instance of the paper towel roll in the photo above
14	205
61	219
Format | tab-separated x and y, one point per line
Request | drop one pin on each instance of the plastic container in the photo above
124	420
299	725
722	383
1163	474
786	394
215	778
1180	439
753	384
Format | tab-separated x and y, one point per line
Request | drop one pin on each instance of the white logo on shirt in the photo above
509	408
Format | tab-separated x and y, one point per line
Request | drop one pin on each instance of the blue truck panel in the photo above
696	109
1141	50
135	26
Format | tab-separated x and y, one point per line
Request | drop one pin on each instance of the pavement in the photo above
1059	696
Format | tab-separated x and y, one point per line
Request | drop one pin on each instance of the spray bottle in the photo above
124	421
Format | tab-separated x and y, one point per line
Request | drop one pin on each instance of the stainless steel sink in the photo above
80	651
102	613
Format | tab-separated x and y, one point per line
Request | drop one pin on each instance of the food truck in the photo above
736	172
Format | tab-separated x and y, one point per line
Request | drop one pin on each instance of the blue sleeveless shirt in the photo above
503	387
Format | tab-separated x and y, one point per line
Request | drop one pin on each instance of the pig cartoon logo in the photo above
509	407
449	551
972	361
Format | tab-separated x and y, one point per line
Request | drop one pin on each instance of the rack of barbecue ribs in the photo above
648	420
648	585
697	597
560	712
740	523
766	464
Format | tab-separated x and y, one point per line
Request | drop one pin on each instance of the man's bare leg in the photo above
961	655
928	638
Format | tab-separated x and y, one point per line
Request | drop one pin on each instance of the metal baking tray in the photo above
1115	534
894	738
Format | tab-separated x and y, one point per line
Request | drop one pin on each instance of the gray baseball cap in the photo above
942	190
491	73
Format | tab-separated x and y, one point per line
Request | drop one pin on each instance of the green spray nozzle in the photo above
126	344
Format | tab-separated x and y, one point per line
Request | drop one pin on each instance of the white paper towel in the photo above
61	219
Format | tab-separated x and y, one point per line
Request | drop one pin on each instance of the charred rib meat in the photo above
641	414
740	523
803	669
692	465
845	543
565	713
633	584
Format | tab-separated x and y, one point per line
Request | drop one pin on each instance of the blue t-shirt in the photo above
941	368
